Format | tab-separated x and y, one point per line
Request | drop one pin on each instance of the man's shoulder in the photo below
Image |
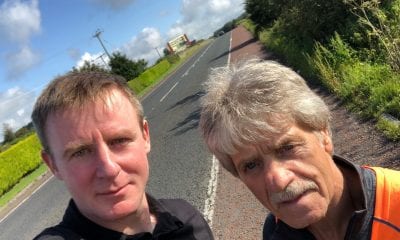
269	226
188	215
57	233
180	208
176	204
276	229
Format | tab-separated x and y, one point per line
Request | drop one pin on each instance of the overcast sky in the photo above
40	39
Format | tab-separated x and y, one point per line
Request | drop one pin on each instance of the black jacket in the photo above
360	225
176	219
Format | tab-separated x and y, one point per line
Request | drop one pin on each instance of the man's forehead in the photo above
105	101
273	141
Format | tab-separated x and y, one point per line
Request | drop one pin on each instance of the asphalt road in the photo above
180	166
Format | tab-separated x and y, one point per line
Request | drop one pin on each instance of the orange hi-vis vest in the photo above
386	221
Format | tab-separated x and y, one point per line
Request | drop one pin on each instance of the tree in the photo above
120	64
8	133
306	19
166	52
24	131
264	12
88	67
380	21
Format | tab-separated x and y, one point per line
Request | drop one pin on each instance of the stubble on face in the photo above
114	125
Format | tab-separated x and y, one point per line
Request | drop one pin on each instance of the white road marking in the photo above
209	203
197	60
162	99
230	47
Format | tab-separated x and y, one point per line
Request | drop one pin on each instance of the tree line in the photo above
118	64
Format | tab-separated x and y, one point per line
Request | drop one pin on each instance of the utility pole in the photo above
101	57
97	35
158	52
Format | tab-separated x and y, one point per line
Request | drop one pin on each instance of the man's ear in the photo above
46	157
146	135
327	141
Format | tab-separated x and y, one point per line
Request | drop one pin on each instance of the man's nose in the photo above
106	167
277	176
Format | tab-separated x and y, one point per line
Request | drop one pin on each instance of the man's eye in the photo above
119	141
80	152
251	165
286	149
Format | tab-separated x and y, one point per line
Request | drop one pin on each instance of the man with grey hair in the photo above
96	140
269	129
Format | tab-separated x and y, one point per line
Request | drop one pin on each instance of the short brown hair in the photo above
75	90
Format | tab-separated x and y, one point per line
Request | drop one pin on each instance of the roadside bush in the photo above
18	161
390	128
136	86
149	76
385	98
292	51
326	61
173	58
358	83
249	25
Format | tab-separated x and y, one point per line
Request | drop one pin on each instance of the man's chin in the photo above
301	221
112	211
123	209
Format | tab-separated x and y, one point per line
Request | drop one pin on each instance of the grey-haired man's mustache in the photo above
293	191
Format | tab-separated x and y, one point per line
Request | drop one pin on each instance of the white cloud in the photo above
219	5
19	20
113	4
20	61
202	17
15	107
21	112
145	46
99	59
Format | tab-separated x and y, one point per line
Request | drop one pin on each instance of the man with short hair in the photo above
269	129
96	139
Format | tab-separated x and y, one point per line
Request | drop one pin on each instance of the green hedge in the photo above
17	161
149	76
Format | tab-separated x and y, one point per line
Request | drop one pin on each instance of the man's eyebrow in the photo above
290	138
246	159
123	133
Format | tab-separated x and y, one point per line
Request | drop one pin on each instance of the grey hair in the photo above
248	102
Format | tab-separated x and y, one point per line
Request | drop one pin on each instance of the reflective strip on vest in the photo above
386	223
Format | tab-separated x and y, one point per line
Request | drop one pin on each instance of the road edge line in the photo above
211	192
